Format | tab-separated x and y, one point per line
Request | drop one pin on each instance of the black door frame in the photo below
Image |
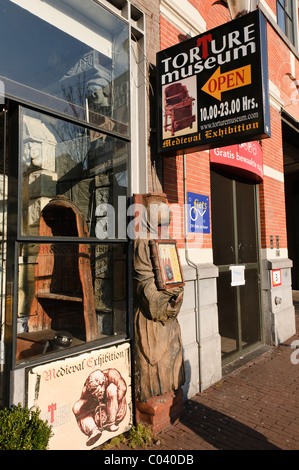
240	349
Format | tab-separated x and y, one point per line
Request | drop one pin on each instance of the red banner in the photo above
245	159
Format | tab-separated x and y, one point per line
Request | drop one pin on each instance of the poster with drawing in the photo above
87	399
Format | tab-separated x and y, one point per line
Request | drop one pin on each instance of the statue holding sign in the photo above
159	367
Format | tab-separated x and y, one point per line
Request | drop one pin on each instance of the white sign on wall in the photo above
276	277
237	275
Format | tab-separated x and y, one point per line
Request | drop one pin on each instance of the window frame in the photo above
15	238
137	140
75	122
287	16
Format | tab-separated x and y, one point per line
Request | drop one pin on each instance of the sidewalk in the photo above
255	407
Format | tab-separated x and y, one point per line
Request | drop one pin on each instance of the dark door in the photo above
235	243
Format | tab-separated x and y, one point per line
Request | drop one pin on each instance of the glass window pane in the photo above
69	294
289	7
250	308
84	168
86	79
285	18
289	29
228	317
282	3
280	18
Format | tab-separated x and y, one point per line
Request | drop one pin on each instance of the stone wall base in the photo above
160	411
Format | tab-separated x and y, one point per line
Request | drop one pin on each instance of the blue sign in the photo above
198	213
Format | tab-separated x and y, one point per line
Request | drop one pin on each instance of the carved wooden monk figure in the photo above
158	347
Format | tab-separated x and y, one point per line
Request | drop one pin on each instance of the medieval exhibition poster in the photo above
85	398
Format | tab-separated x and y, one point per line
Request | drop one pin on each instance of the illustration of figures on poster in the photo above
86	399
170	263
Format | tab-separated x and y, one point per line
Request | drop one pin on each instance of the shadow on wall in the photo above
187	383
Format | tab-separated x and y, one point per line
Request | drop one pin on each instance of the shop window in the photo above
66	82
285	18
72	273
77	66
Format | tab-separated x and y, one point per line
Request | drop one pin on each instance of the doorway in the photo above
291	176
236	243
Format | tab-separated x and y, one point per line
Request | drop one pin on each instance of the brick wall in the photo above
283	71
197	181
197	166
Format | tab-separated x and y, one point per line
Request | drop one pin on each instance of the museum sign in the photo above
213	88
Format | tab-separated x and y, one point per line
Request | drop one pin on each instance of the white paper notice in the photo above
237	275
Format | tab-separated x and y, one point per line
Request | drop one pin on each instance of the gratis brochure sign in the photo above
245	159
213	88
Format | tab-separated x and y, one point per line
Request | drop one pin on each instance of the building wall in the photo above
279	320
199	320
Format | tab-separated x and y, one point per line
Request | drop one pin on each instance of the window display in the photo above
65	76
72	289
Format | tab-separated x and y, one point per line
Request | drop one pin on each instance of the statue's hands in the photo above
176	299
174	304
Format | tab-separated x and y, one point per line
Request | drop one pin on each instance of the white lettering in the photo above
232	46
116	460
247	33
233	39
177	59
166	66
210	62
295	354
194	54
213	46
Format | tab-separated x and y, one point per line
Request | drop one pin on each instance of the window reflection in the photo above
86	79
59	158
285	17
3	228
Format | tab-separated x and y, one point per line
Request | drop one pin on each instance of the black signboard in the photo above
213	88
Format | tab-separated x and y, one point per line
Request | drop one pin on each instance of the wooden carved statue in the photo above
159	364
